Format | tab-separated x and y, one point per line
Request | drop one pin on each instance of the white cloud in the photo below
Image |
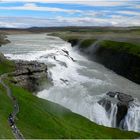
129	13
85	2
88	18
34	7
63	21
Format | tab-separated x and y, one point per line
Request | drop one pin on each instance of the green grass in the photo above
86	43
6	66
5	102
67	36
5	109
121	47
39	118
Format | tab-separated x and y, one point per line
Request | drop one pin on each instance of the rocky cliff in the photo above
123	63
30	75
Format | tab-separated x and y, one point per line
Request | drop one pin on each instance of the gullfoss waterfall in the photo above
78	83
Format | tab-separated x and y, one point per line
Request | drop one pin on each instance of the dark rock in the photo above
121	112
30	75
111	94
73	42
73	59
124	98
105	103
123	63
65	51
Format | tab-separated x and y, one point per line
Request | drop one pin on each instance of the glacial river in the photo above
78	83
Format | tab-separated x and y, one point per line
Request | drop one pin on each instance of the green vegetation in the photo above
5	109
39	118
67	36
5	102
86	43
5	65
121	47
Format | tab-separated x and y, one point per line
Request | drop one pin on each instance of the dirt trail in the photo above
12	116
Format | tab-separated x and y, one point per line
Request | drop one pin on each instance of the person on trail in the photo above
11	120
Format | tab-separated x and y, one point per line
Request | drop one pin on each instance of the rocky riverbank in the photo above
30	75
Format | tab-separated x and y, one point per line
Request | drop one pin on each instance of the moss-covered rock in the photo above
125	47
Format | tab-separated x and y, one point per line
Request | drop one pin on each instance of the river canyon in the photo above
78	83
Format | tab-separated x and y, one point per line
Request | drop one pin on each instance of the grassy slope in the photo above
121	47
5	108
39	118
5	103
6	66
86	43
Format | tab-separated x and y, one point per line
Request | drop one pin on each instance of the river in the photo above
78	83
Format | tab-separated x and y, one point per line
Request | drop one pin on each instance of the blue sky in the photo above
28	13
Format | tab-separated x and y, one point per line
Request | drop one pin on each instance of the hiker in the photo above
10	119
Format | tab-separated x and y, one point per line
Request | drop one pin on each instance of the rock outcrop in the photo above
121	100
2	57
3	40
30	75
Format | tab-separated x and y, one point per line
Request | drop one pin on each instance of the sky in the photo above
50	13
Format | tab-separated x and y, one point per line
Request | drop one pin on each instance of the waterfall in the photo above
132	120
78	83
112	115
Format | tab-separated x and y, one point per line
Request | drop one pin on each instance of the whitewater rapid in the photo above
78	83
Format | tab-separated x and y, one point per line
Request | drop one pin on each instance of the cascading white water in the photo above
112	115
132	119
78	83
